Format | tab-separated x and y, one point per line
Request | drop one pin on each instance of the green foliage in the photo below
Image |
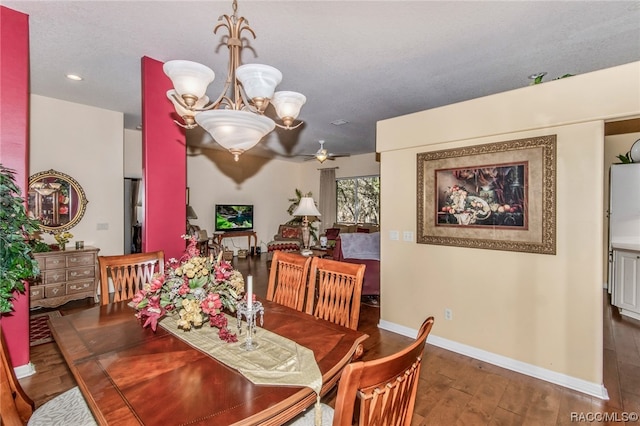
540	76
358	199
626	158
16	262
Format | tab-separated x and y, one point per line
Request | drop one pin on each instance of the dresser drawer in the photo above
80	259
80	286
54	262
36	292
54	276
80	273
55	290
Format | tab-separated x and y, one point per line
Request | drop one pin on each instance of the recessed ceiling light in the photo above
339	122
74	77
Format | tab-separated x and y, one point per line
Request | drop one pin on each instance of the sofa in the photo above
361	248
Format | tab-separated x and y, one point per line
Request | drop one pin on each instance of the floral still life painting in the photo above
488	195
196	289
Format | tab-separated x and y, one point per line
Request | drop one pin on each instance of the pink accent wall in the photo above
14	150
164	165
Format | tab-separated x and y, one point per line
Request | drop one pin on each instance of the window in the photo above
358	199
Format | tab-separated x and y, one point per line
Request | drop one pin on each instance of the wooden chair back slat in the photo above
288	279
128	273
15	406
382	391
334	291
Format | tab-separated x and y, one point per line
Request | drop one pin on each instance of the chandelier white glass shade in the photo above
237	131
247	93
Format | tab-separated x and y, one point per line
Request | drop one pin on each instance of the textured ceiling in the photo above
359	61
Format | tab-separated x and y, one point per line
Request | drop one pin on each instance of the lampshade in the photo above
236	131
259	81
191	214
189	78
306	207
288	105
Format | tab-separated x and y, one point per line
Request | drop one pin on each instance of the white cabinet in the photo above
626	291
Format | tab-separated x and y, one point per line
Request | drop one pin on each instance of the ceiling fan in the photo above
322	154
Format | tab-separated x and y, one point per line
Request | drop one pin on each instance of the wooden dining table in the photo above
131	375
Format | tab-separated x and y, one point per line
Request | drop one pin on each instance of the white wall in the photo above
87	144
538	314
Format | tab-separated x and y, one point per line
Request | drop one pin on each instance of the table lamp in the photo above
306	207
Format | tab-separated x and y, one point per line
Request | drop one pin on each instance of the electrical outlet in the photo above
407	236
394	235
448	315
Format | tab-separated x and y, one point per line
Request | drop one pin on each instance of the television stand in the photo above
219	236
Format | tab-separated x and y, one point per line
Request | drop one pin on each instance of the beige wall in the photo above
132	154
87	144
538	314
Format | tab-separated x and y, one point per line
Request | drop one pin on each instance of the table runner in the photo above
276	361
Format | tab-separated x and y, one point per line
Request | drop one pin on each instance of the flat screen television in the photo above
234	217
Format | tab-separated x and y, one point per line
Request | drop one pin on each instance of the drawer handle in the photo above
56	276
55	290
73	259
56	261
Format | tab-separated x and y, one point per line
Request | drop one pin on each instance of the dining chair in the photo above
16	408
128	273
288	279
334	290
376	392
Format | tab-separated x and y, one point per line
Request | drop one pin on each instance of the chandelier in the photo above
236	119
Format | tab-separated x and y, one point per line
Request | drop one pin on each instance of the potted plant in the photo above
16	262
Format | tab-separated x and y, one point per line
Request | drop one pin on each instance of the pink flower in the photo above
139	297
157	283
184	289
211	304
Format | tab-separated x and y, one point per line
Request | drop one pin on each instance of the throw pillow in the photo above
291	232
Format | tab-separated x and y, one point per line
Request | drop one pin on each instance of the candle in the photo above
249	292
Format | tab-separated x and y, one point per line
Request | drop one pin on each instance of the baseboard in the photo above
25	370
630	314
580	385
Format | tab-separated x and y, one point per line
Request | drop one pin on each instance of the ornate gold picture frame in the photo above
497	196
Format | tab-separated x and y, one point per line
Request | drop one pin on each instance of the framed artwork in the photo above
498	196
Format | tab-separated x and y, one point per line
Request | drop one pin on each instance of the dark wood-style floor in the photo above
453	389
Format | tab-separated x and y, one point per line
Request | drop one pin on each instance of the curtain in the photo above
327	204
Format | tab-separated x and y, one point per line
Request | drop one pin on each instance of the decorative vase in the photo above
63	246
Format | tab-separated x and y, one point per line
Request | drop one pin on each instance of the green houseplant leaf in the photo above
16	262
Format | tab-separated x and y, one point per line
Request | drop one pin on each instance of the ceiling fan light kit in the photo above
322	154
236	119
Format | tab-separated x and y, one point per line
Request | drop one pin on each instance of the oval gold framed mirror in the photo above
57	200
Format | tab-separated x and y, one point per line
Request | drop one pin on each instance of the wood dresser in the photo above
65	275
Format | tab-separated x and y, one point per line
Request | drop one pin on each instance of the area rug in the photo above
39	332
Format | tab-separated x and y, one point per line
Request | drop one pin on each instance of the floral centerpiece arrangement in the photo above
195	289
62	238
